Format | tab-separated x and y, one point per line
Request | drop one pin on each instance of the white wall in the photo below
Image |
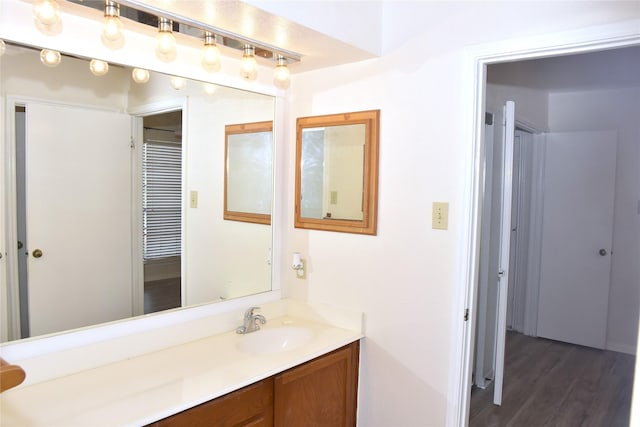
225	258
614	110
344	169
334	18
405	278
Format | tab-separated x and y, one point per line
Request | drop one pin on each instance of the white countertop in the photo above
152	386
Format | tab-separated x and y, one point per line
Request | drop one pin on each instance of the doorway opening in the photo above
561	120
162	210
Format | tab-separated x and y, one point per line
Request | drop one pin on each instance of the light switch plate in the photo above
334	198
440	216
193	199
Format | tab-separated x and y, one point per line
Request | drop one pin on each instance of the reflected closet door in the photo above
78	215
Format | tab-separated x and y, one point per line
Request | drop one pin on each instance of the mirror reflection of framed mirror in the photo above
248	172
337	172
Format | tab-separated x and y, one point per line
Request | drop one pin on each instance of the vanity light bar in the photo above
239	40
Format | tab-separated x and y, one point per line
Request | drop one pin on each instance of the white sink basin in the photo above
274	340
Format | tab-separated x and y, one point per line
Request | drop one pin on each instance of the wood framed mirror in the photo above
248	172
337	172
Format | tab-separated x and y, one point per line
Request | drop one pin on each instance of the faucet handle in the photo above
249	312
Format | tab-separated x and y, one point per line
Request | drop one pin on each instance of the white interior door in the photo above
512	318
577	237
505	239
484	356
521	214
78	187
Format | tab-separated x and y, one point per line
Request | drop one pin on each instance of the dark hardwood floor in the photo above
161	295
551	383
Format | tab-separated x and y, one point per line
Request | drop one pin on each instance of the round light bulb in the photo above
211	58
112	28
209	88
3	47
166	46
282	77
249	67
47	12
98	67
140	75
50	58
178	83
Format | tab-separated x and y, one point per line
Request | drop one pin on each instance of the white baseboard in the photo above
621	348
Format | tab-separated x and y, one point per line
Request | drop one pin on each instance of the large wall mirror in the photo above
115	208
337	172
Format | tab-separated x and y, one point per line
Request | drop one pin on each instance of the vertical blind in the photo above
161	189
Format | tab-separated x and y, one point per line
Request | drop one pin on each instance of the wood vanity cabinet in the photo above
320	393
248	406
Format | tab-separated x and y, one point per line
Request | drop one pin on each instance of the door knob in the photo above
37	253
20	245
602	252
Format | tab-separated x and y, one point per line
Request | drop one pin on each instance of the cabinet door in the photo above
250	406
322	392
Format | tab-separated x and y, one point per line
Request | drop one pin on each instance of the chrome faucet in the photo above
251	321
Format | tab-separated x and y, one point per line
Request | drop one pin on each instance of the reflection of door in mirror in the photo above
89	202
332	172
162	210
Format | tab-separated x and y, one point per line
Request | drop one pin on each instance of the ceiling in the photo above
325	34
607	69
318	50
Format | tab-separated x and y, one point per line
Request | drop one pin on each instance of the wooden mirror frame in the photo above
368	224
243	128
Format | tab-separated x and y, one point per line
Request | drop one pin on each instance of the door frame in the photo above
9	185
619	35
138	113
